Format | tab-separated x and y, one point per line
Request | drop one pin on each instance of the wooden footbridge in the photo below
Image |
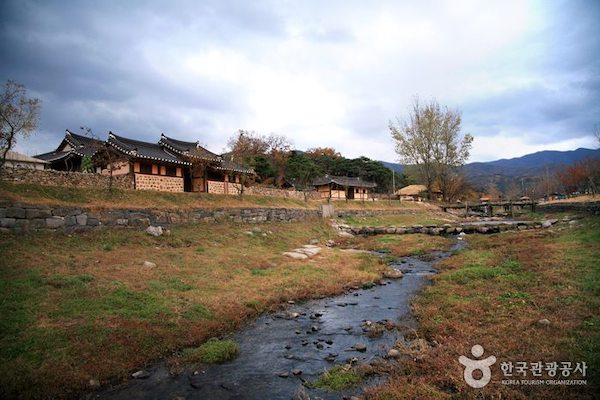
488	207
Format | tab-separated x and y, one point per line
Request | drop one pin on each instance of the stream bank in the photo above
281	354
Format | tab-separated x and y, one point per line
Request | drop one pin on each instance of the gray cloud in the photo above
200	70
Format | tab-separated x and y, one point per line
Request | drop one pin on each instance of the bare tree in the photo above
430	139
513	191
451	151
279	150
248	144
249	148
19	116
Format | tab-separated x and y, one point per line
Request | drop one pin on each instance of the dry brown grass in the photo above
493	294
578	199
82	307
102	199
398	245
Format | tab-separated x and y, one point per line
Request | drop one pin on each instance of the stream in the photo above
299	348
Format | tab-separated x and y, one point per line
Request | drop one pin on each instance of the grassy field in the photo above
424	216
494	294
102	198
83	307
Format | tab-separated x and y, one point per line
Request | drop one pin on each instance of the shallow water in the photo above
274	344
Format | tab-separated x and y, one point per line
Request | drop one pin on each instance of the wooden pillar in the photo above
490	210
226	183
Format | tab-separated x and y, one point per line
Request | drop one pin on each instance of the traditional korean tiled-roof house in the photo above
168	165
343	188
208	172
153	166
68	154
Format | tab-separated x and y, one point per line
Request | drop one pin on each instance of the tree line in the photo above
276	163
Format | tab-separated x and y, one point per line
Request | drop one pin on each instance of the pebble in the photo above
360	347
393	353
544	322
297	372
148	264
141	374
284	374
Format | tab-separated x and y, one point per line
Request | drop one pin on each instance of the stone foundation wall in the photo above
216	187
273	192
50	177
160	183
25	218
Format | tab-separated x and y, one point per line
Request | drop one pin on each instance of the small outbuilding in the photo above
18	160
412	193
343	188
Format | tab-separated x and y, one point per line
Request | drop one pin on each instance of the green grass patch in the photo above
338	378
197	311
507	296
260	272
69	281
213	352
474	272
255	305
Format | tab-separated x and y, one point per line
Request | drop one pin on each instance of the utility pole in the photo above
522	188
393	183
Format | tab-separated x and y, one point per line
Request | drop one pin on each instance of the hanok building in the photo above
208	172
70	152
153	167
343	188
170	165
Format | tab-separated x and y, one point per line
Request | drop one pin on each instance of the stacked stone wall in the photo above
50	177
159	183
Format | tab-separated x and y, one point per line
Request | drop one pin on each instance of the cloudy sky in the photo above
525	74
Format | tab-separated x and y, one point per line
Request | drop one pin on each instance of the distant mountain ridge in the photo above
526	167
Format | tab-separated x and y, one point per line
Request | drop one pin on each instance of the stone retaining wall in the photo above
273	192
50	177
23	218
592	207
